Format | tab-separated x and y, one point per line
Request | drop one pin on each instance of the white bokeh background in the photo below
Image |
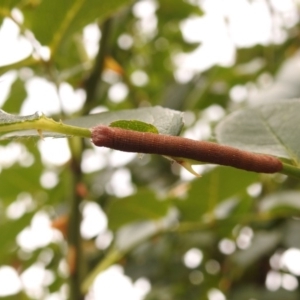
226	25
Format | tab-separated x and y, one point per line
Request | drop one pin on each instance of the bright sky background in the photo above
248	24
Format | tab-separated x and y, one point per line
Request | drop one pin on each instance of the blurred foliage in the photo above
258	215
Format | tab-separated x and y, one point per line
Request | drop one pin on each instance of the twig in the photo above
91	83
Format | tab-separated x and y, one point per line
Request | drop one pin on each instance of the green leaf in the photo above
262	244
5	7
281	202
18	179
9	231
142	206
128	237
26	62
15	180
177	12
16	97
167	121
270	129
249	291
134	125
70	17
208	192
291	237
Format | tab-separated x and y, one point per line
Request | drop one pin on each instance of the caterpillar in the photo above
175	146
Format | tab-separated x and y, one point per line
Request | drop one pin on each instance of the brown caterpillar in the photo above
174	146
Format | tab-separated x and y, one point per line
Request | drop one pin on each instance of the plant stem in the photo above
110	259
92	83
290	170
74	237
47	124
65	25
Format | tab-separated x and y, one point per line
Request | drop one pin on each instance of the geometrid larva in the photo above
174	146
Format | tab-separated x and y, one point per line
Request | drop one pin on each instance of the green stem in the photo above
74	237
47	124
290	170
110	259
65	25
242	220
92	83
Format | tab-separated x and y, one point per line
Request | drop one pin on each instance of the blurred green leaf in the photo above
211	189
18	296
27	62
128	237
255	292
262	244
17	179
8	4
144	205
16	97
177	12
10	230
281	202
71	17
5	7
291	237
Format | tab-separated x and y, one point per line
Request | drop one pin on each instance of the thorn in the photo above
184	163
188	167
40	132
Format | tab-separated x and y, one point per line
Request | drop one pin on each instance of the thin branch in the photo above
290	170
91	84
112	257
65	24
74	237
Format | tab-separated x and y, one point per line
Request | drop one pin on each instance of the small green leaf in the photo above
135	125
